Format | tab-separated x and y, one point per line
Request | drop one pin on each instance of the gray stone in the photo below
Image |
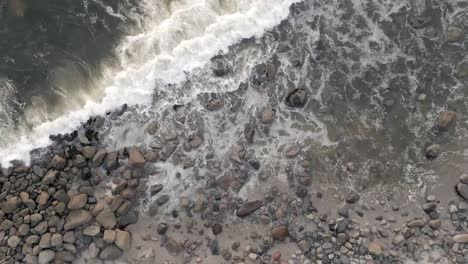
297	98
45	240
107	219
56	240
110	252
61	196
248	208
432	151
88	152
13	241
69	237
91	231
46	256
462	190
173	246
99	157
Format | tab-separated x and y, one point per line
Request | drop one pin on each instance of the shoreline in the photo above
275	170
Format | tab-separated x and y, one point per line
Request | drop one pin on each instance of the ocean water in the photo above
376	73
173	40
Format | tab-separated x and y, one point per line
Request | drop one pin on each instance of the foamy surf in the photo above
165	52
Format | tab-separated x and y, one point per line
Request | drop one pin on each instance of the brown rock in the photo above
461	238
109	236
123	239
375	249
11	204
42	198
78	201
135	158
248	208
107	219
280	232
77	218
445	119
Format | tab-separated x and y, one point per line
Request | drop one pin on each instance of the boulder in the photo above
78	201
462	190
107	219
297	98
77	218
110	252
99	157
135	158
10	205
461	238
123	239
248	208
445	119
46	256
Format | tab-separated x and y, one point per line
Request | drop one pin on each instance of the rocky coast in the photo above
318	142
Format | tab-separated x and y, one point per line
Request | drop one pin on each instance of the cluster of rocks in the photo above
51	211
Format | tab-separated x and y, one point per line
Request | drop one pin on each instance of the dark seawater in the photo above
50	50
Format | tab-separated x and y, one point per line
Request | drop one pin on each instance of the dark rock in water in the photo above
214	247
173	246
217	228
432	151
419	21
445	119
352	197
214	104
155	189
220	66
249	133
111	253
152	128
296	98
162	199
462	71
111	161
130	218
462	190
118	112
162	228
429	207
280	232
248	208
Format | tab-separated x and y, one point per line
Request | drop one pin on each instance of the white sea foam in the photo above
190	34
